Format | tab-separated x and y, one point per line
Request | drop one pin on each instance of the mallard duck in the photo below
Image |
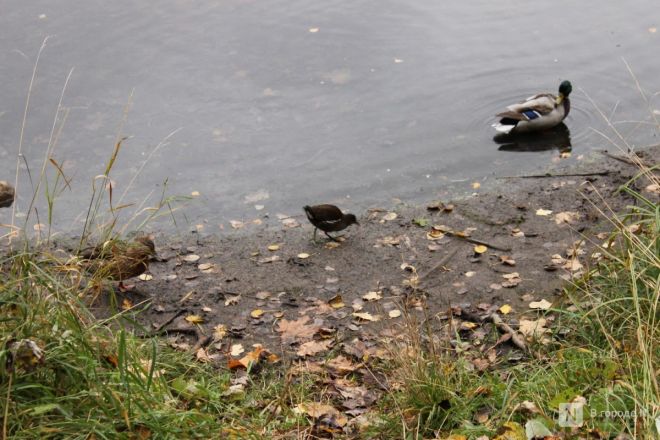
538	112
328	218
118	260
6	194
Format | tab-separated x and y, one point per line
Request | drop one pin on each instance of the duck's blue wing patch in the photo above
531	114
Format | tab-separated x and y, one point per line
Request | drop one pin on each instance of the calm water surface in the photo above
283	103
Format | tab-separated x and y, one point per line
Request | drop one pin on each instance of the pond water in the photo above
285	103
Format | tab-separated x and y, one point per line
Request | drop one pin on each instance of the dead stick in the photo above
474	241
625	159
160	328
506	328
442	262
546	175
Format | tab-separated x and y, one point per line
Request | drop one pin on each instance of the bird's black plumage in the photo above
328	218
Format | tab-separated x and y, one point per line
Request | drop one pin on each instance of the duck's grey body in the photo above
536	113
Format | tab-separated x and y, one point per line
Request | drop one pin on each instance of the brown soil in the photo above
451	275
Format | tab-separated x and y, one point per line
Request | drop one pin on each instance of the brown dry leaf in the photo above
252	358
568	217
126	304
482	415
202	355
263	295
364	316
192	258
236	224
544	304
512	279
516	232
533	329
272	259
557	259
194	319
314	347
543	212
318	410
231	300
336	302
256	313
295	330
573	265
219	332
505	259
467	325
435	234
342	365
372	296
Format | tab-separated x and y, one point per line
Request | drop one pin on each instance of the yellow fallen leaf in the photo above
126	304
476	185
336	302
256	313
480	249
192	258
466	325
313	30
303	255
274	247
470	274
390	216
194	319
195	193
505	309
542	211
219	332
146	277
332	245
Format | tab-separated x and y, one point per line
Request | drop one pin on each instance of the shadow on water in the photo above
558	138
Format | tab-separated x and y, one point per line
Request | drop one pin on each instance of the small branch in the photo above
626	160
161	327
546	175
474	241
502	326
441	264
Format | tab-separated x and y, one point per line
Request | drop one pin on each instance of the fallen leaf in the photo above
231	300
505	309
195	193
421	222
313	30
540	305
219	332
505	259
364	316
394	313
476	185
516	232
303	255
470	274
398	60
266	260
202	355
191	258
194	319
236	349
299	329
536	429
274	247
263	295
314	347
511	431
236	224
653	30
533	329
372	296
126	304
290	223
332	245
568	217
543	212
480	249
341	365
390	216
336	302
145	277
252	358
256	313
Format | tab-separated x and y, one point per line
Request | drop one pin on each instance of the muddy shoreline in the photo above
235	280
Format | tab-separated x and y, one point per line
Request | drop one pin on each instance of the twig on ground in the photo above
638	160
546	175
474	241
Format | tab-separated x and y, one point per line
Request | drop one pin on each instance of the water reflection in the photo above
558	138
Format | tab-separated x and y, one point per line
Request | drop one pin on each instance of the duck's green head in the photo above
565	88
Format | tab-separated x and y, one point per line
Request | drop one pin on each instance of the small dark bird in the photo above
118	260
6	194
328	218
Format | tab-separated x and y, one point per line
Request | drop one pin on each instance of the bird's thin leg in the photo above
314	238
331	237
